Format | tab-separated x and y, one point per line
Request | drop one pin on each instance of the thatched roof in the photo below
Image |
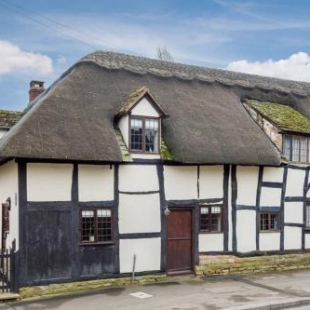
207	123
9	118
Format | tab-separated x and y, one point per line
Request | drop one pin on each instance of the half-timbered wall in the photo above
210	186
52	196
139	218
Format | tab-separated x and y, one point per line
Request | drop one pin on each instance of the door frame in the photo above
194	240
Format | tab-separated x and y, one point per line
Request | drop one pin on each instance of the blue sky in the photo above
39	40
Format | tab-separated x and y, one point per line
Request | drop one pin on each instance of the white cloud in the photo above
296	67
14	60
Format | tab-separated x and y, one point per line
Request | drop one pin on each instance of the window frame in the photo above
95	241
144	119
307	222
269	229
210	219
291	137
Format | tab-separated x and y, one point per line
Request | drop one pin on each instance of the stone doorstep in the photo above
8	296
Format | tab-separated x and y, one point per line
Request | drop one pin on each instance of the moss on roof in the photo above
9	118
283	116
131	100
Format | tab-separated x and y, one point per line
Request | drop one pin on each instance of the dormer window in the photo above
144	134
287	128
139	121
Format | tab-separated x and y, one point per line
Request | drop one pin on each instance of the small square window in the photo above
211	218
96	225
269	221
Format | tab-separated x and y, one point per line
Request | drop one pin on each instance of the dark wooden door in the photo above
179	245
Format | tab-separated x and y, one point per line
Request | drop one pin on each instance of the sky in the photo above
39	40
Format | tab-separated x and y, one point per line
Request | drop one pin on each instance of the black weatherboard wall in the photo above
49	239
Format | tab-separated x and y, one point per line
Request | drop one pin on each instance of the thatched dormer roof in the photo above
133	99
207	123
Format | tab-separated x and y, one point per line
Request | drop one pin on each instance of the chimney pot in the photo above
36	88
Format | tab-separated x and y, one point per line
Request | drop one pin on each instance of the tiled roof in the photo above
9	118
283	116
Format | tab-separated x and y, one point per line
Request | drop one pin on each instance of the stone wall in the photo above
228	264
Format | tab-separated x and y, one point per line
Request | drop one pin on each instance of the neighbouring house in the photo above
126	157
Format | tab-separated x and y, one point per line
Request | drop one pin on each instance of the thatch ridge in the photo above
142	65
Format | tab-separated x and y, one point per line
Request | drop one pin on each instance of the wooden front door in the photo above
179	243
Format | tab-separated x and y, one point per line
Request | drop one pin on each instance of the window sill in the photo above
269	231
143	152
210	232
96	243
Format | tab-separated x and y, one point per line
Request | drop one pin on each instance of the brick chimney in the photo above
36	88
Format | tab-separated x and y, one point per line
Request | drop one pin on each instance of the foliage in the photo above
164	54
165	152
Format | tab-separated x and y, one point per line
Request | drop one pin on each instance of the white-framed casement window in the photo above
296	148
144	134
96	225
211	218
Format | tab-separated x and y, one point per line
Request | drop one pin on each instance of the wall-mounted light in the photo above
8	203
167	211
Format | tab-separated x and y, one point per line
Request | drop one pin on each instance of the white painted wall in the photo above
270	197
293	212
247	180
273	174
49	182
9	188
213	242
138	178
139	213
269	241
307	241
123	125
246	231
270	129
96	183
295	182
144	108
211	182
180	182
292	238
147	254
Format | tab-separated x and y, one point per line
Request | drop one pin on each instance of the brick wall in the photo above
228	264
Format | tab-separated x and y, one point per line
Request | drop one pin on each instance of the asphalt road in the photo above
188	293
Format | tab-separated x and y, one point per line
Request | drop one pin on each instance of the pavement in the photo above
285	290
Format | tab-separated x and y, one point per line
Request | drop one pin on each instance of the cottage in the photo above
126	157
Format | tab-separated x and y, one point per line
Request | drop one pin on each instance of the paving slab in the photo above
259	292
